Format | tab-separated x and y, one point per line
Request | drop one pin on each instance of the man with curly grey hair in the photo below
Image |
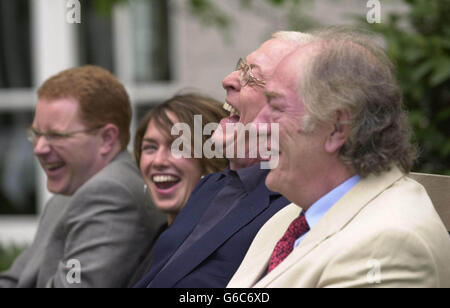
356	219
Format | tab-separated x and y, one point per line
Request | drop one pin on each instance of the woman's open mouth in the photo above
165	183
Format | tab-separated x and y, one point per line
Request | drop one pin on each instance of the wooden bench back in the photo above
438	188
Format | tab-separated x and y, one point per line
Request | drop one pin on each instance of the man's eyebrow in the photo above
49	131
258	69
270	95
255	66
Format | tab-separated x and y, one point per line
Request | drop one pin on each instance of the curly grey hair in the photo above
351	73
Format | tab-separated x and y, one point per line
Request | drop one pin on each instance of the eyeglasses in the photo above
33	135
247	77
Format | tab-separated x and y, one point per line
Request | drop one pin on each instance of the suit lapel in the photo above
187	219
247	209
337	218
257	258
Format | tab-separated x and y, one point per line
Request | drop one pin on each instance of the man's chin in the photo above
242	163
272	182
59	189
220	137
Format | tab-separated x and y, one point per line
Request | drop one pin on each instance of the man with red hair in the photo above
97	228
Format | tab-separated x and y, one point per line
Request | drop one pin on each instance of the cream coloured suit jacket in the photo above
384	232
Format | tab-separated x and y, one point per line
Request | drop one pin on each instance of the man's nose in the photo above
232	81
41	146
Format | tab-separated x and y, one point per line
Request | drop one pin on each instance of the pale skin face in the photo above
170	180
309	164
70	162
249	100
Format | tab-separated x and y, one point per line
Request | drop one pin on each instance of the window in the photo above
150	41
17	172
15	60
147	41
95	45
133	42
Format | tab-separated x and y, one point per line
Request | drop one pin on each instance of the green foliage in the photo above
8	255
104	7
418	42
210	14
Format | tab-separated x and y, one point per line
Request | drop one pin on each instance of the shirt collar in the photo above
321	206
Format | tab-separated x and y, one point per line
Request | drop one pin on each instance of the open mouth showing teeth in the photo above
165	181
231	109
54	166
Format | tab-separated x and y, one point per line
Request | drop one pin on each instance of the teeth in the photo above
54	166
164	178
231	109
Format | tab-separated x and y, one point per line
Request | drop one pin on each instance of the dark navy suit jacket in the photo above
212	260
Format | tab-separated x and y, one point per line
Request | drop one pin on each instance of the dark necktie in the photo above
285	245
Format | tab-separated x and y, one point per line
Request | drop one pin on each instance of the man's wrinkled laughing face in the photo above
245	89
69	152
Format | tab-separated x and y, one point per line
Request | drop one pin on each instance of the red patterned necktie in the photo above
284	247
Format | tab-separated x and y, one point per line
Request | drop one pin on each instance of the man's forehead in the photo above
294	63
56	113
270	53
64	102
302	53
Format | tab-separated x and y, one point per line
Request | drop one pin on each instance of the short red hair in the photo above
102	98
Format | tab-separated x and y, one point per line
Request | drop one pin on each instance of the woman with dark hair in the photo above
170	180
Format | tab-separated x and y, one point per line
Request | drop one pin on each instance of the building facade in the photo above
156	48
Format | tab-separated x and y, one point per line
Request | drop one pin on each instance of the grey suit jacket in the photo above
96	238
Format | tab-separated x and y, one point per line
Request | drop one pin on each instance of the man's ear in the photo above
110	137
339	133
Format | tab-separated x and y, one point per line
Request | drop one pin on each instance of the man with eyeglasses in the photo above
357	220
208	240
97	228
